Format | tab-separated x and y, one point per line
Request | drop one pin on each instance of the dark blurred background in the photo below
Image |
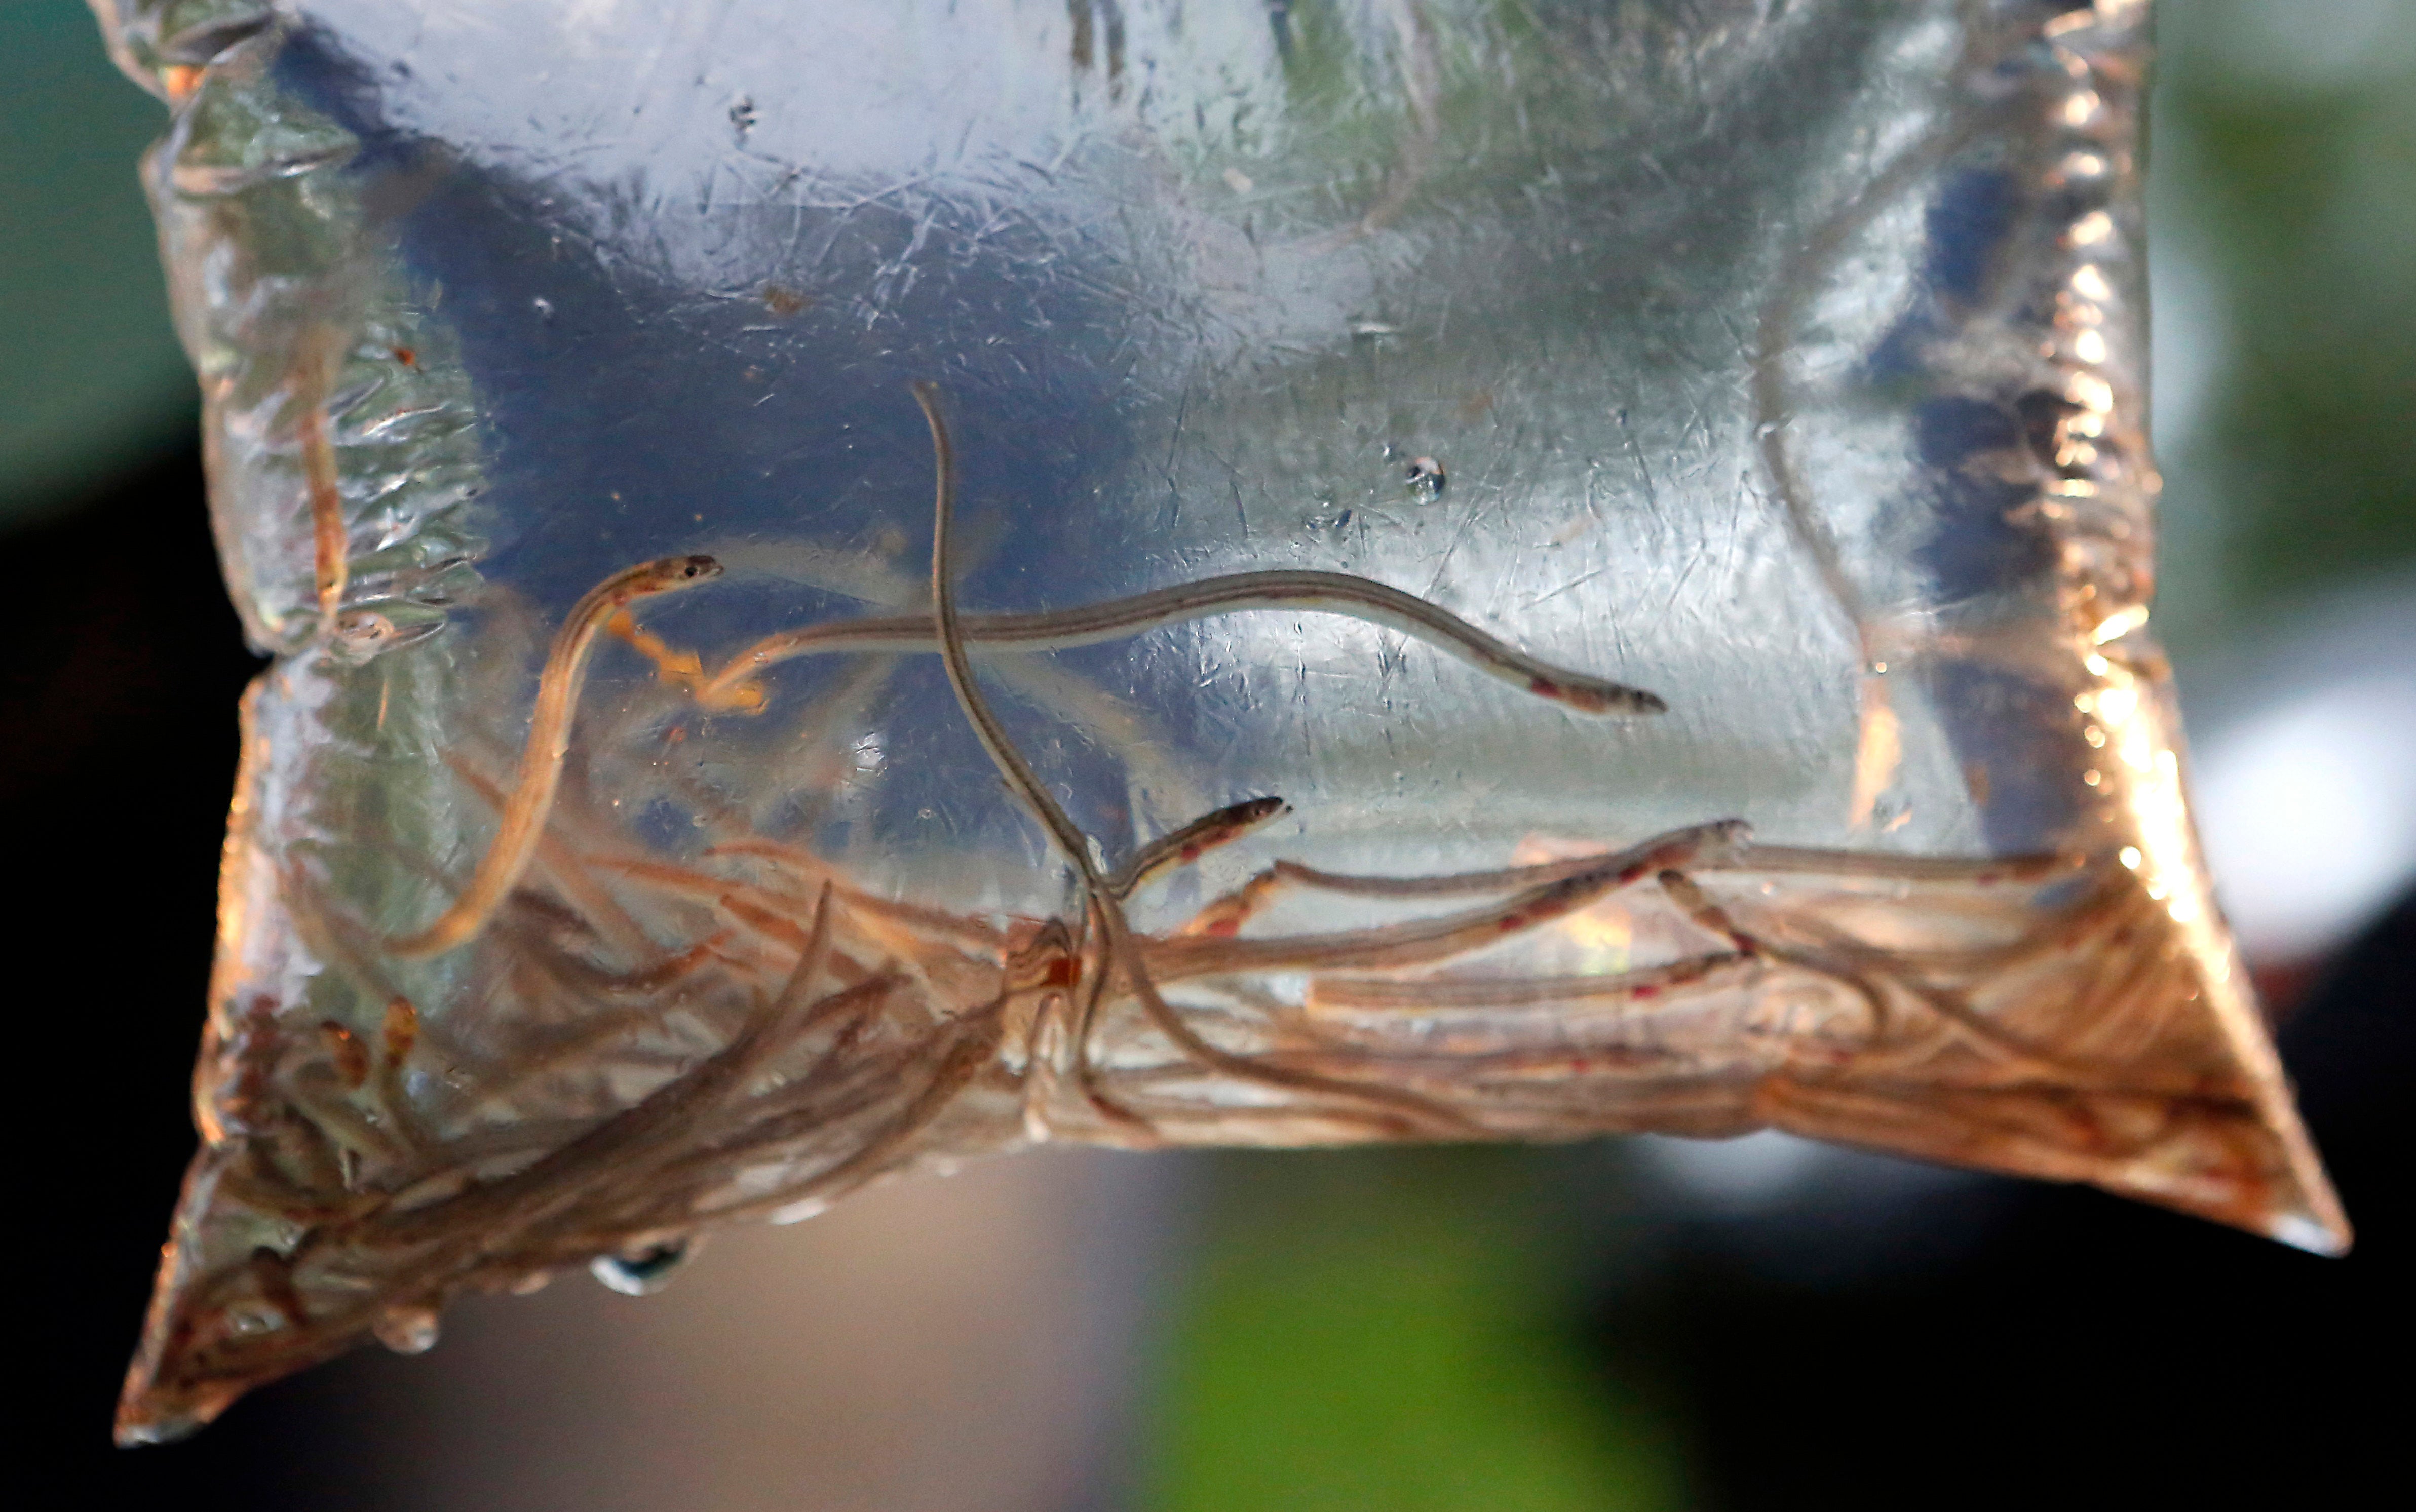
1636	1325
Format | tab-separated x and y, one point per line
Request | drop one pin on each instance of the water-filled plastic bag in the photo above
855	585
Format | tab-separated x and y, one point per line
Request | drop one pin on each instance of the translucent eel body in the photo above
1424	941
328	546
1226	915
1317	593
549	740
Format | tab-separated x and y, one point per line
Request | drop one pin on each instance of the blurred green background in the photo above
91	381
1404	1330
1395	1329
2282	198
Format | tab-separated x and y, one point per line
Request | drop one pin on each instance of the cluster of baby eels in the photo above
897	1028
1101	956
857	1062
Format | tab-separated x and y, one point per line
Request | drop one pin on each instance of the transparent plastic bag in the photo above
859	585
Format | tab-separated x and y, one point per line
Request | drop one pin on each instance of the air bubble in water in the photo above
645	1273
407	1330
243	1320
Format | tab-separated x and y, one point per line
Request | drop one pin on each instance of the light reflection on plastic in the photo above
2115	626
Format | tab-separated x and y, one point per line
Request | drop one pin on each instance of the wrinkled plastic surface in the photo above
1784	361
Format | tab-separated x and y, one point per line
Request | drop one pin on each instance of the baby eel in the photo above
1227	915
318	357
549	741
1433	994
1123	954
1181	848
1320	593
328	541
1424	942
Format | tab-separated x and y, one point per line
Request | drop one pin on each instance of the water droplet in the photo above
543	306
645	1273
742	116
407	1330
248	1321
1426	477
